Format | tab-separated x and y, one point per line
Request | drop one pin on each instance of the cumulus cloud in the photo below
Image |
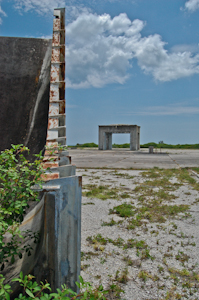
97	51
192	5
171	110
100	50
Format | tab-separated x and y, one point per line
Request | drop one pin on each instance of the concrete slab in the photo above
125	159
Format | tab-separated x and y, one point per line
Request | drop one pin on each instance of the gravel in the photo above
171	269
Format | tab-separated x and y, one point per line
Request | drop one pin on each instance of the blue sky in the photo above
127	62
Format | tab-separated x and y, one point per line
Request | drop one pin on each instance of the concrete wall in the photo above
24	91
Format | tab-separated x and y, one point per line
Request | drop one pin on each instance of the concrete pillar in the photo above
134	139
108	141
101	139
138	137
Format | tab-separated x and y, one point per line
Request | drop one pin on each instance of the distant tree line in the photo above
155	145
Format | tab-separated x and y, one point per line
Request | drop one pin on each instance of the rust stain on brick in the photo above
50	165
55	55
55	74
53	109
53	123
50	176
52	144
56	39
56	24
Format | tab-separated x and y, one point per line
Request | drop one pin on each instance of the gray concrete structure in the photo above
106	131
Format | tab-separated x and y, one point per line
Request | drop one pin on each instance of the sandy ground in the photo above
165	266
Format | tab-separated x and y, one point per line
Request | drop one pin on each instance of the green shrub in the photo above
33	290
17	177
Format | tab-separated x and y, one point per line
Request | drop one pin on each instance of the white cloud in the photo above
171	110
165	66
100	50
185	48
40	6
2	13
192	5
46	6
97	51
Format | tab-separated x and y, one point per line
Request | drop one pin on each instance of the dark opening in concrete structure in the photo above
106	131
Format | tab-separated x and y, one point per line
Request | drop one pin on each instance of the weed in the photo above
145	254
118	242
98	239
87	255
111	223
125	195
172	295
133	223
125	175
114	291
155	232
102	260
168	255
100	192
187	193
124	210
196	169
184	176
160	269
83	267
182	273
144	275
181	256
122	278
128	260
132	243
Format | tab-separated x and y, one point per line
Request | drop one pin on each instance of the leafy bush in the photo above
17	177
33	290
